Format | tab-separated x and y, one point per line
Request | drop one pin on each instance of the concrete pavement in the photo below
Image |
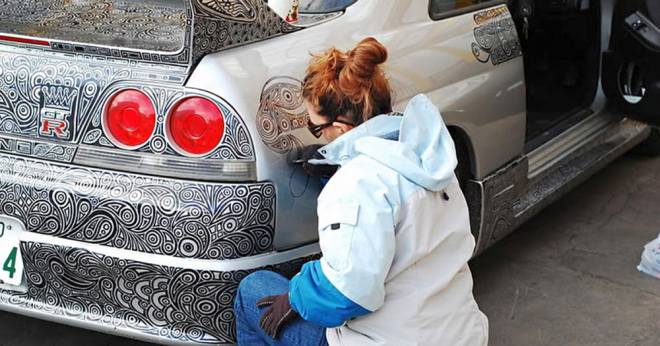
567	277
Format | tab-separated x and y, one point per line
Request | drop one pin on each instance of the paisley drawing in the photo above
496	36
132	25
172	303
281	113
238	10
143	32
80	94
220	24
144	214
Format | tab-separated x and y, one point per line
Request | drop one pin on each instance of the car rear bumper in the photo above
148	214
148	297
150	258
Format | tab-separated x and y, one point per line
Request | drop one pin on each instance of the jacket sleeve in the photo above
356	234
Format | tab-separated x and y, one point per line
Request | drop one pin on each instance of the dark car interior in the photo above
561	46
631	73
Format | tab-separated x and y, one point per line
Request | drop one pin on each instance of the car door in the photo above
631	72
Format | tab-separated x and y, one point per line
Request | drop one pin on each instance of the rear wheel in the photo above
462	171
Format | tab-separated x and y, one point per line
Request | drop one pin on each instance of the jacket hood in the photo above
418	145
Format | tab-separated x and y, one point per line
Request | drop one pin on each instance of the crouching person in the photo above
393	226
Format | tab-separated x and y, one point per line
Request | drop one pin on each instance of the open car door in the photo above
631	66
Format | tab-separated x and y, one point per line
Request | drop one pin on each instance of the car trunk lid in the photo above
62	60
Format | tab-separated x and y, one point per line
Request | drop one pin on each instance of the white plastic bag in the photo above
650	263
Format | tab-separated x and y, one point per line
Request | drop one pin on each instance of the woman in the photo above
393	225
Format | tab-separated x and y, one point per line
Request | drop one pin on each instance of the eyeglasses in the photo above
315	130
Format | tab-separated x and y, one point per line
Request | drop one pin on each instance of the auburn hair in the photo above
349	84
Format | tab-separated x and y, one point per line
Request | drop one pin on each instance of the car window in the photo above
439	9
324	6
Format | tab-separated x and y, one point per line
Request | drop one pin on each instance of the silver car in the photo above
150	150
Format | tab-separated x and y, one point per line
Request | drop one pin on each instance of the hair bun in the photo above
349	84
363	60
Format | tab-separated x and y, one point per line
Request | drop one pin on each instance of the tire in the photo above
650	146
462	171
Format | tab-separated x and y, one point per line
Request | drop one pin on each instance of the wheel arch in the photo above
465	169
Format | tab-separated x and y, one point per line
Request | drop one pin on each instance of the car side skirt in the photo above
507	198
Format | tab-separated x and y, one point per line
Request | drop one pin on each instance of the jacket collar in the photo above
342	150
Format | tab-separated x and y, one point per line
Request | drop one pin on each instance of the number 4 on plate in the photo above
10	263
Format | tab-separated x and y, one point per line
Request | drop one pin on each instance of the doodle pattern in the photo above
236	143
167	302
132	25
281	112
31	84
496	36
497	195
212	35
151	215
48	151
24	77
237	10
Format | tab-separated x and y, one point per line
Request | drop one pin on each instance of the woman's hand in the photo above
277	315
319	171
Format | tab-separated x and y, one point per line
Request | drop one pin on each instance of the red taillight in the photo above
130	118
196	125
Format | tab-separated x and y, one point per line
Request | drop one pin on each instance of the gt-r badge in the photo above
55	120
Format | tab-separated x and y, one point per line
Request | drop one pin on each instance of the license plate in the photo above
11	261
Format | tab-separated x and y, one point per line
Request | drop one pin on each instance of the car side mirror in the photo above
286	9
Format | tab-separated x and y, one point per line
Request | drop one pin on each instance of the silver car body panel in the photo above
476	80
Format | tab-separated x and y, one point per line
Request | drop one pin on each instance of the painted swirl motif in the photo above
238	10
496	36
167	302
253	21
281	113
131	25
48	151
30	83
195	220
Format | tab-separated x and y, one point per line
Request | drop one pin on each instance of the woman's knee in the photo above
263	281
258	285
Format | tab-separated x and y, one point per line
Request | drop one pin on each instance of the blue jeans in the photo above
256	286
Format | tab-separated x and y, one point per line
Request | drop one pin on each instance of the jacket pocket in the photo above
337	225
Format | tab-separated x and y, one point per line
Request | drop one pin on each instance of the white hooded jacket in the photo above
395	236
